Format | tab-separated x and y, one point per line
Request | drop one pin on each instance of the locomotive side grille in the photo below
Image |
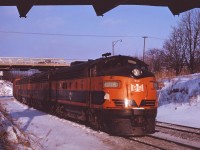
148	103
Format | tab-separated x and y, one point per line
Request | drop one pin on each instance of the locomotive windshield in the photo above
142	65
123	61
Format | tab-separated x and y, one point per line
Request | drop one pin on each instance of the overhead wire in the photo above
77	35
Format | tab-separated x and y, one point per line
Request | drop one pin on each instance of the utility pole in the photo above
113	46
144	45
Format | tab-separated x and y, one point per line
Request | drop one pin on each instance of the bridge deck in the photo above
8	63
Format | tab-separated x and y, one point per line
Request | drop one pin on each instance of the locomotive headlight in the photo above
136	72
127	103
111	84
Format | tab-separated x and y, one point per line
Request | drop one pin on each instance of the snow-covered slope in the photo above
179	90
179	101
6	88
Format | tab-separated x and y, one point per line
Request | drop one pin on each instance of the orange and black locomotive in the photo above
116	94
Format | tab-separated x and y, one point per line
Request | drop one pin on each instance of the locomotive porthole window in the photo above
82	84
70	85
64	85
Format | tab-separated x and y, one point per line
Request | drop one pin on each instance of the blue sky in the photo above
134	21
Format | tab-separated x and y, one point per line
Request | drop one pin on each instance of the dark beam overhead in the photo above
103	6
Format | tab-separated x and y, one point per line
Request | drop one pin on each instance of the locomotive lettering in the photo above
137	88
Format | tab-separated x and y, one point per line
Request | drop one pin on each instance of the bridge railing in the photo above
33	61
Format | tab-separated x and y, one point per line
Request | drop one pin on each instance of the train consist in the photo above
116	94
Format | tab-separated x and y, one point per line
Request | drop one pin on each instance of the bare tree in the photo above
183	46
190	26
174	51
154	58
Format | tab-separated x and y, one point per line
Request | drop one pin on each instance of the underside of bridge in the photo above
103	6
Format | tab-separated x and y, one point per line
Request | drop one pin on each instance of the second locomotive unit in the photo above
116	94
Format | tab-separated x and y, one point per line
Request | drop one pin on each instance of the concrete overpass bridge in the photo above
24	64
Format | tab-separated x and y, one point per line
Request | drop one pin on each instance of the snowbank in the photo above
179	101
179	90
11	134
6	88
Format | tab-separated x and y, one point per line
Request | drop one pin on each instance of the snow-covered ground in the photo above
6	88
179	103
47	132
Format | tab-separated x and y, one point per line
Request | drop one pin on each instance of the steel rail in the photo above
182	128
192	145
163	139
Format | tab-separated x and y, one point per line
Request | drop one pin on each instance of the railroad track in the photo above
176	127
171	136
162	142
